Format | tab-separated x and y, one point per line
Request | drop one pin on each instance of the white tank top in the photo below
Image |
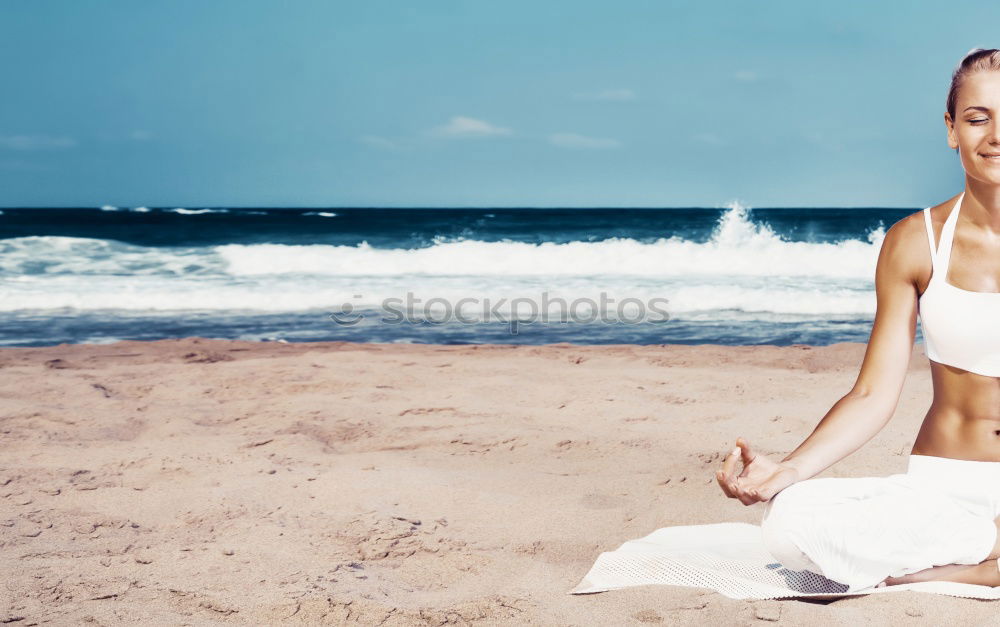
960	328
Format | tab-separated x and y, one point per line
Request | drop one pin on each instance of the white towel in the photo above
731	559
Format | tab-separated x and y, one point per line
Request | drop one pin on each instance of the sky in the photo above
541	103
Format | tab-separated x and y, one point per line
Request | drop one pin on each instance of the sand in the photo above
198	481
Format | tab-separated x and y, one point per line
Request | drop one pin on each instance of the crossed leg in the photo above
843	528
986	573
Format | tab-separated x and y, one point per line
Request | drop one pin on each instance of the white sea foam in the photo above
194	212
743	270
481	295
49	255
738	247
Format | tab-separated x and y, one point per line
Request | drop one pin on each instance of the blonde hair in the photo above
976	60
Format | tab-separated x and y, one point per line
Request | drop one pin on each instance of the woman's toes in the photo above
895	581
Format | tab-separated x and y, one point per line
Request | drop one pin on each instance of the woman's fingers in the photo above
747	454
727	475
737	490
720	476
729	479
729	465
745	493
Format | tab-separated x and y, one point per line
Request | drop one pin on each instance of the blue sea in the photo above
733	275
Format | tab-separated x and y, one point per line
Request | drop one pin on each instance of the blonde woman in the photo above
940	519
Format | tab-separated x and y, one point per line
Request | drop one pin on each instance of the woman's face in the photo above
975	131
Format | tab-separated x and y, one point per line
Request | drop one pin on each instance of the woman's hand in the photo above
761	478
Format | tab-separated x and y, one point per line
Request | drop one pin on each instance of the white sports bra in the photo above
960	328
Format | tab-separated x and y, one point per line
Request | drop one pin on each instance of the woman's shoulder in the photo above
910	232
906	250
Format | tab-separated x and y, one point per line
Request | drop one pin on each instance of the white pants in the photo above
858	531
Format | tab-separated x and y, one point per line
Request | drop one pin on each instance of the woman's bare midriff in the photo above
964	419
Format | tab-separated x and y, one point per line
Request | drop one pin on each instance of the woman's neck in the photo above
981	205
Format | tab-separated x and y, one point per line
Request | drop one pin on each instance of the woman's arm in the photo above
866	409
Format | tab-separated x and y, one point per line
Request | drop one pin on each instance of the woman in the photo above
939	520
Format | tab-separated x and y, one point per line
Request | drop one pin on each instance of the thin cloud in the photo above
460	126
36	142
574	140
615	95
747	76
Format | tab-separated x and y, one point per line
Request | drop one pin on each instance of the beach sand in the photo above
198	481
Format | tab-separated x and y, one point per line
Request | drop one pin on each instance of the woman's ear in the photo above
950	125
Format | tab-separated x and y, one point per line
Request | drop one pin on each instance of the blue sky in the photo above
474	103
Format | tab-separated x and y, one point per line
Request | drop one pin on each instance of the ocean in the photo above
731	275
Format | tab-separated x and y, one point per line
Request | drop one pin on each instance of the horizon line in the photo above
371	207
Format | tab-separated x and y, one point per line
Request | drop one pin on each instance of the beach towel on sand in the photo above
731	559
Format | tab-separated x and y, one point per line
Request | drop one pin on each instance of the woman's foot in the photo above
983	574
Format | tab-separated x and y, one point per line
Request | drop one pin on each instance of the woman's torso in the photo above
963	421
